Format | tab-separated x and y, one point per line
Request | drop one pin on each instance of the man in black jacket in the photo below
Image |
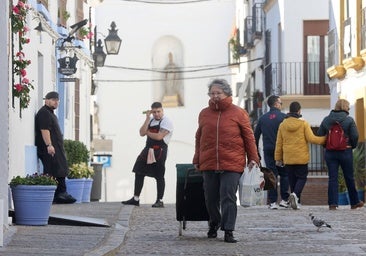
50	147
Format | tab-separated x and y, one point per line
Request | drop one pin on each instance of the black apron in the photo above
156	169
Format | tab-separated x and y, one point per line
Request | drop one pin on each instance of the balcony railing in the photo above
258	20
296	78
248	32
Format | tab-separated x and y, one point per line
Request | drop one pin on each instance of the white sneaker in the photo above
293	200
284	204
273	206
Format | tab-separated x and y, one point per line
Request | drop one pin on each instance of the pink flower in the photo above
26	29
15	9
23	72
21	4
18	87
25	80
27	40
90	35
20	54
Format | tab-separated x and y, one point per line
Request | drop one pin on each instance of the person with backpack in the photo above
337	155
292	151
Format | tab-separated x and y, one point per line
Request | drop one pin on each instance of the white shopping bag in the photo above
251	186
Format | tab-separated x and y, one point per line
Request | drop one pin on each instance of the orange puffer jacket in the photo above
224	138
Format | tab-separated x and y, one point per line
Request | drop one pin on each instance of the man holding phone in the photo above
158	130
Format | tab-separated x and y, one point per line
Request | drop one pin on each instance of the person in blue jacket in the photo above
267	127
341	158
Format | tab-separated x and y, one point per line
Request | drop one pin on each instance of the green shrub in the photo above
34	179
76	152
359	166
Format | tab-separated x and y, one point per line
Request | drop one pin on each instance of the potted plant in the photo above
342	189
32	197
84	172
76	152
359	175
359	169
75	182
77	156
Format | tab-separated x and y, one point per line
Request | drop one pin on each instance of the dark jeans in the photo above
278	171
343	159
139	183
297	175
220	191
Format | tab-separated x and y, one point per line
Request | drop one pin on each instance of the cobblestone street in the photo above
260	231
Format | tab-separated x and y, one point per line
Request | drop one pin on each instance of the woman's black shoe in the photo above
212	232
229	238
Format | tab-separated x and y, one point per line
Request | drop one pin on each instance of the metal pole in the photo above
105	184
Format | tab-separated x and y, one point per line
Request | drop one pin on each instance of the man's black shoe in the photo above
132	201
64	198
229	237
212	232
158	204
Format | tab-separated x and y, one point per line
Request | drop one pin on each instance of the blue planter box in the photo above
343	198
75	188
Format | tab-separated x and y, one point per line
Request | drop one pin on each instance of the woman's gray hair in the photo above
223	84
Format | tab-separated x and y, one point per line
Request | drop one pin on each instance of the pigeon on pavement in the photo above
319	222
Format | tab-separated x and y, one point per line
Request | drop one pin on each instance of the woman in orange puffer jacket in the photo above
224	145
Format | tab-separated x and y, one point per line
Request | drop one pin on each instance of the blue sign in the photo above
105	160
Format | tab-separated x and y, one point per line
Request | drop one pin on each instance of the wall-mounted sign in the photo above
67	65
68	79
106	160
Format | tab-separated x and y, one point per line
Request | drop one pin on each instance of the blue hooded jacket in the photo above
267	127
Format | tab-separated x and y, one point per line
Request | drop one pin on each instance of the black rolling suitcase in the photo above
190	200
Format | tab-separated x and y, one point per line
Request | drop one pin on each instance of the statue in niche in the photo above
172	83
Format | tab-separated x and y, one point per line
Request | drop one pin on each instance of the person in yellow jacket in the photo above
292	150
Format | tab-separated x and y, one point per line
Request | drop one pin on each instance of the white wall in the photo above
42	72
4	113
203	29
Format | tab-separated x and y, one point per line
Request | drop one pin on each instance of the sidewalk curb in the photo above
115	239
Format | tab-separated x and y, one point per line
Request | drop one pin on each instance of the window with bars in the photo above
317	164
332	47
347	36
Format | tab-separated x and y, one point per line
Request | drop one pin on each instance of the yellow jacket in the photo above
293	138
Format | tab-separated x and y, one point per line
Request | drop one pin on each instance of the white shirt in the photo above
165	124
